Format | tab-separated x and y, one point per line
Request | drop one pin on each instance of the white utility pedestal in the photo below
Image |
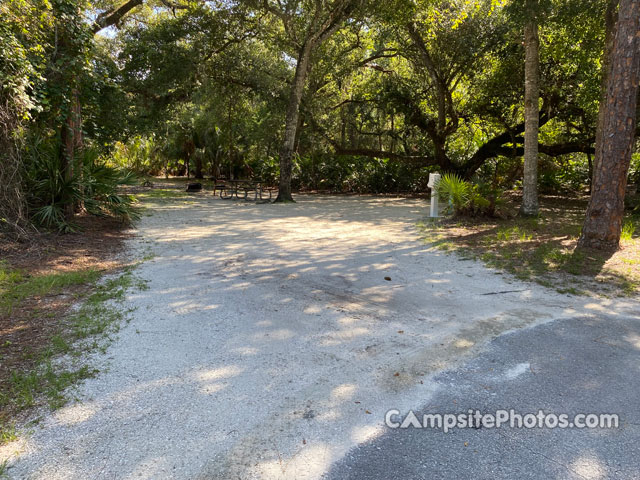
434	180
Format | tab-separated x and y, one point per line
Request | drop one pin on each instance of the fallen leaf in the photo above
397	374
367	411
400	331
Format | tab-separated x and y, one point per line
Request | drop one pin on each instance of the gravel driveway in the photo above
269	342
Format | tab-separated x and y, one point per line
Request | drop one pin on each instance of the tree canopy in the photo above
338	95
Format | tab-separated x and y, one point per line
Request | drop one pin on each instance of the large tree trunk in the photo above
199	167
78	144
70	146
611	17
531	111
603	222
291	125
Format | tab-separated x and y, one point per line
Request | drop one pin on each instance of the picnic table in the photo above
231	188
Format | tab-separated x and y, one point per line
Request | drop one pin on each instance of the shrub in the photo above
465	198
93	187
455	191
139	154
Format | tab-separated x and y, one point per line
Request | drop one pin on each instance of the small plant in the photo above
7	433
455	191
513	233
628	229
465	198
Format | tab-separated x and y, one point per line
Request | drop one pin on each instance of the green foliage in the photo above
88	328
628	229
634	169
455	191
138	154
23	45
465	198
93	186
22	62
99	189
15	286
204	89
508	234
326	172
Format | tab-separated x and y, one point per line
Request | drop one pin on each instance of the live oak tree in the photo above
603	222
452	66
73	40
379	93
307	25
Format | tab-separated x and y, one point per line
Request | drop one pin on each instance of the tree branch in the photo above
112	17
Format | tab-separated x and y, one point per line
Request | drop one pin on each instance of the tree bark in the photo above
531	111
112	17
611	17
319	30
67	158
291	124
71	131
603	222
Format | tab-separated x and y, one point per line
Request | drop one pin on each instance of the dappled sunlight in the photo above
16	328
633	339
589	468
276	335
345	335
185	308
76	413
152	467
310	463
344	392
366	433
329	416
376	295
312	309
464	343
283	333
437	280
245	351
347	321
603	306
217	373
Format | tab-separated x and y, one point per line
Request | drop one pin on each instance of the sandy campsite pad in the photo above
269	341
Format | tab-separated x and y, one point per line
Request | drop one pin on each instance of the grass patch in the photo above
41	378
7	433
515	233
628	229
16	286
542	249
161	193
46	381
161	196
